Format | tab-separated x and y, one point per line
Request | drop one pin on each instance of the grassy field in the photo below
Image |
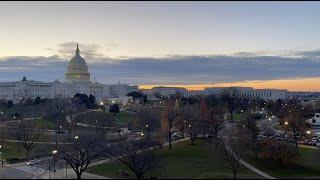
239	116
306	166
45	123
184	161
12	153
124	117
39	121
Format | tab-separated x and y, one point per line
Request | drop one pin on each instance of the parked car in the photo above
176	135
32	162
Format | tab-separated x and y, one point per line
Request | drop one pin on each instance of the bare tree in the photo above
231	100
148	119
216	119
84	151
72	112
193	121
27	136
282	152
55	112
231	147
137	155
253	131
205	116
169	119
295	121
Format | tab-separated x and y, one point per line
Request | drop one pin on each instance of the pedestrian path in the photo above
69	174
255	170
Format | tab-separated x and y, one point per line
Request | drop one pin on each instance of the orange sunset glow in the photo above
303	84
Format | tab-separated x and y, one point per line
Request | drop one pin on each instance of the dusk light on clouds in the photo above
177	43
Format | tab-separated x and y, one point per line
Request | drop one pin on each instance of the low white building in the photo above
164	91
249	92
77	80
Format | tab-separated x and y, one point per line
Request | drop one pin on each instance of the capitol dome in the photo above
77	68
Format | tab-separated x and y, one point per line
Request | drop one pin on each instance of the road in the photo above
12	173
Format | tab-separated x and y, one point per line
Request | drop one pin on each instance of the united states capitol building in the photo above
77	80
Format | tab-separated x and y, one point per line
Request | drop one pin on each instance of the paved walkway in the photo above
40	142
70	174
255	170
310	147
12	173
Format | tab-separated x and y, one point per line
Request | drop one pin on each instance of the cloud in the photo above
314	54
90	51
168	70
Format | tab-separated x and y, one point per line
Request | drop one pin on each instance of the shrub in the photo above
282	152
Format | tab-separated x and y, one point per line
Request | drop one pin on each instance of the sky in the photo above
172	43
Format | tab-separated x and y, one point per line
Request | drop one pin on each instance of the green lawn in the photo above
124	117
184	161
11	151
239	116
38	121
45	123
306	166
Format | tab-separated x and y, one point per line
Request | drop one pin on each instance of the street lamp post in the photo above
309	134
2	136
1	155
54	152
56	131
66	170
102	105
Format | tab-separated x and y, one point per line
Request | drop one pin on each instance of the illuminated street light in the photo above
308	132
189	125
101	103
269	119
55	151
147	125
76	137
141	134
286	123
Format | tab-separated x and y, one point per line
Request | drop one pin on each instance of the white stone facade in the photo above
77	80
266	94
